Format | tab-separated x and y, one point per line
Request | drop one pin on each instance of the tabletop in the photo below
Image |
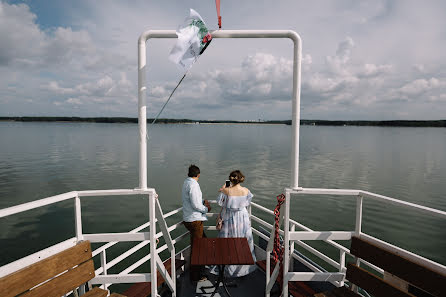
221	251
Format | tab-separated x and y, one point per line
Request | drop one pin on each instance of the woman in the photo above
234	200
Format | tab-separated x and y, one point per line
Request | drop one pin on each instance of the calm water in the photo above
38	160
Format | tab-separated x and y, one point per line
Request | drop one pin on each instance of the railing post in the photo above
358	227
286	250
142	113
104	266
250	213
293	228
267	272
168	239
153	253
173	272
341	265
78	218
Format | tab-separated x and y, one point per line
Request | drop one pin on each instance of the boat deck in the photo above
250	285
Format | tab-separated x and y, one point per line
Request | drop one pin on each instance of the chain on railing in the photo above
278	248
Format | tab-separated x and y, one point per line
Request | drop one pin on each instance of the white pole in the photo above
104	265
341	265
78	218
358	228
142	115
296	112
153	253
358	225
286	249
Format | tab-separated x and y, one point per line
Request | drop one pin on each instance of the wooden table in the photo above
221	252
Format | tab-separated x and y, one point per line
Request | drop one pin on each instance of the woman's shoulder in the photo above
246	191
242	191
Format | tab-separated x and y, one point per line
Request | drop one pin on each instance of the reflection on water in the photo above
38	160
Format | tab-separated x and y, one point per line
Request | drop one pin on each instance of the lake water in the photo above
38	160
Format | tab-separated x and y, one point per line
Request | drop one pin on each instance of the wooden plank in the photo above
96	292
218	252
239	249
236	256
296	289
28	277
345	292
115	295
325	294
226	252
246	252
145	289
64	283
373	284
203	252
300	289
416	274
195	252
139	290
338	292
211	251
214	249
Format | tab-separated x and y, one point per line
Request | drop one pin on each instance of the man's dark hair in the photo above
194	171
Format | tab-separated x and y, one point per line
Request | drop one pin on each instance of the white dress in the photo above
236	223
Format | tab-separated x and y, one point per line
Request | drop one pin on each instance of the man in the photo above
194	211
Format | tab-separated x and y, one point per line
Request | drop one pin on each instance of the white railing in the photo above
102	276
308	234
291	236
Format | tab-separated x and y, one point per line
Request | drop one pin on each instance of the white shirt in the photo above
193	207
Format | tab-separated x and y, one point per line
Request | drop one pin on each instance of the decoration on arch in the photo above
193	39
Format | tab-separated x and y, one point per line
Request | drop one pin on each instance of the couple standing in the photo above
233	200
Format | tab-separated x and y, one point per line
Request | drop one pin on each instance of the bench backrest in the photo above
413	273
58	274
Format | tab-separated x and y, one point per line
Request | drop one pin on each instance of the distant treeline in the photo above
397	123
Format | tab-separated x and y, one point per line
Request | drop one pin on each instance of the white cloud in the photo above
25	44
54	87
359	61
18	34
421	85
75	101
372	70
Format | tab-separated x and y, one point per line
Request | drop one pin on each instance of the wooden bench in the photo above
145	289
296	289
54	276
418	277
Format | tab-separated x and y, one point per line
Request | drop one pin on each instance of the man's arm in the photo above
196	199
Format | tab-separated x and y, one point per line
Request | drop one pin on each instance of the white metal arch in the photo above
142	115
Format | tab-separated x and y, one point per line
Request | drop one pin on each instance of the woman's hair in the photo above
194	171
236	177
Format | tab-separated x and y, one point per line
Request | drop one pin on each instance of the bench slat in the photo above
342	292
416	274
373	284
28	277
64	283
297	289
144	289
96	292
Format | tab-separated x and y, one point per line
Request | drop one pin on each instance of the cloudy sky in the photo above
372	60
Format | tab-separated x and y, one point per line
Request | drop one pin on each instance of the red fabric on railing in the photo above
278	248
217	4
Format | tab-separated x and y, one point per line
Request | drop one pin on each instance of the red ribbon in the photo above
217	3
278	248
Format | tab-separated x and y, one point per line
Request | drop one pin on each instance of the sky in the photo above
362	60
